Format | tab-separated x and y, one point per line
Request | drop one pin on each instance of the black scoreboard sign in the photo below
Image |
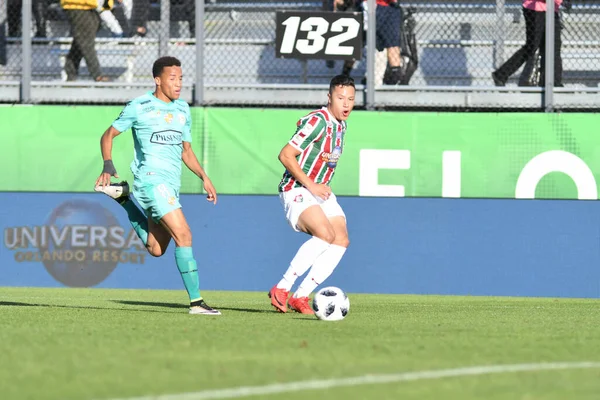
319	35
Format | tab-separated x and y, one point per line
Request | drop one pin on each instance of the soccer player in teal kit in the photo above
161	125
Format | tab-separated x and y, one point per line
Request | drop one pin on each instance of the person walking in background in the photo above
388	18
85	22
534	12
345	6
104	9
139	17
40	10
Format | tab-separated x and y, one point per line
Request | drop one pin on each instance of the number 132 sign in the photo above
319	35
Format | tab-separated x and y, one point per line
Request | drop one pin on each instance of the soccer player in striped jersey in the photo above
310	159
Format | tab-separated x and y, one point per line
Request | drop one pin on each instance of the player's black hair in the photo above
340	80
163	62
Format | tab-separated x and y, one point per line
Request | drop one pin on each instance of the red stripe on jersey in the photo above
319	111
313	121
306	116
324	114
315	171
289	185
328	175
305	153
292	181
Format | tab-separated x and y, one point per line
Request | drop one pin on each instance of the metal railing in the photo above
228	52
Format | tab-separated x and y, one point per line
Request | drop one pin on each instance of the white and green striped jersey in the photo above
320	138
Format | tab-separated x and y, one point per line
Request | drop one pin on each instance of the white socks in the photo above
304	258
321	270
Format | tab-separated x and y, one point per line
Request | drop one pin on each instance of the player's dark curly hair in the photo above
163	62
340	80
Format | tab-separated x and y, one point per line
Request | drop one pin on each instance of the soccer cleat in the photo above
300	305
201	308
117	191
279	298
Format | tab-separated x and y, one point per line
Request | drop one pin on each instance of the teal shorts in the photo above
156	199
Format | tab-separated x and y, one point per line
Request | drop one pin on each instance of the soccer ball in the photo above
331	304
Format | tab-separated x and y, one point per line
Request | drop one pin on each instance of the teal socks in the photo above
138	220
184	256
189	271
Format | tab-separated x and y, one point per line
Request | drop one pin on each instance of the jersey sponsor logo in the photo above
169	137
332	158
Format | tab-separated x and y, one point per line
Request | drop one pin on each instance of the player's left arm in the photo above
191	161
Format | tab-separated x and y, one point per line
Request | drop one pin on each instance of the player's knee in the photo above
328	235
342	241
183	238
156	250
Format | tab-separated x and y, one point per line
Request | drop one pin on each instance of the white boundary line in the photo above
245	391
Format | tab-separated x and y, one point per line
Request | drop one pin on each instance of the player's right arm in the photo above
124	121
309	131
287	156
108	170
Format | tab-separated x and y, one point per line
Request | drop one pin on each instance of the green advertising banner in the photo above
57	148
482	155
419	154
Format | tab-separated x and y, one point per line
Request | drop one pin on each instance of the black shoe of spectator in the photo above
392	75
497	80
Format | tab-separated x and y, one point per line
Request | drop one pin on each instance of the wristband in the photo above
109	168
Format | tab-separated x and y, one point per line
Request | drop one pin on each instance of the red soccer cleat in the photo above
300	305
279	298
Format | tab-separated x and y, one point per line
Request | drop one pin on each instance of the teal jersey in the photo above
159	130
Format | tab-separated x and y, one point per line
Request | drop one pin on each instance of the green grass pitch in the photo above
108	344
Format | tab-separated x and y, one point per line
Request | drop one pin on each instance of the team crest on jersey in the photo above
298	199
168	118
181	119
171	200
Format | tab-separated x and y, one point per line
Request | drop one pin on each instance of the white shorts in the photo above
297	200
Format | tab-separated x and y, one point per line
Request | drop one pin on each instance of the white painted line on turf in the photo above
245	391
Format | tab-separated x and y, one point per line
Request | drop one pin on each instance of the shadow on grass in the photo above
150	303
179	305
131	303
308	318
19	304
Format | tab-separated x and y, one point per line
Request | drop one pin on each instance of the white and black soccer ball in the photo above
331	304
